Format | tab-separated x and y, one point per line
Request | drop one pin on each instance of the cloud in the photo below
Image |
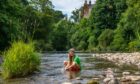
67	6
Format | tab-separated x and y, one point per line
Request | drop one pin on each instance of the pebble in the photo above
101	76
95	78
79	78
66	83
125	79
125	73
78	83
134	78
137	73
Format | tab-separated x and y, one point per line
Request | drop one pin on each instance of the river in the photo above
52	72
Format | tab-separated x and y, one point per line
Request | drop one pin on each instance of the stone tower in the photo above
86	9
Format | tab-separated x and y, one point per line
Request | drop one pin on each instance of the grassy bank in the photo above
20	60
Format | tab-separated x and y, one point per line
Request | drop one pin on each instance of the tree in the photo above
106	13
79	38
105	39
10	21
129	27
59	36
75	15
27	19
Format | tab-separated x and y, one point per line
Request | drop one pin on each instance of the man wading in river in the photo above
74	61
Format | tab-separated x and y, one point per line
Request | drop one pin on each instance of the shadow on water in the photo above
52	72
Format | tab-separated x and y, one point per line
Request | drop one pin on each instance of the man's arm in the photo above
70	66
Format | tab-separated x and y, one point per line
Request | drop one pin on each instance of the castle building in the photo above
86	9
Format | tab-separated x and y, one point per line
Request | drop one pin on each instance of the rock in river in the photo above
92	82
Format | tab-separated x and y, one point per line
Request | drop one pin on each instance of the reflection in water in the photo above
72	74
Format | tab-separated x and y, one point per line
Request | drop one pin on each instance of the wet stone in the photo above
66	83
125	73
92	82
79	78
96	78
137	73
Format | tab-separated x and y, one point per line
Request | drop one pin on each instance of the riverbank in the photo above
121	58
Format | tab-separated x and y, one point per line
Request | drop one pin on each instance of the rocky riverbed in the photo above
131	60
121	58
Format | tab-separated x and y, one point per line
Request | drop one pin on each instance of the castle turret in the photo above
85	1
86	9
90	3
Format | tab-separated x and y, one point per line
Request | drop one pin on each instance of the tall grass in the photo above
20	60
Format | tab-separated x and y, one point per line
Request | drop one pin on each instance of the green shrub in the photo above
134	45
92	43
119	42
105	39
20	60
82	46
41	45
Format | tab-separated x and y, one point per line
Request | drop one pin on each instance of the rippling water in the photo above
52	70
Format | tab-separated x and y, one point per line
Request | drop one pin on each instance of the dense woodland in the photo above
114	25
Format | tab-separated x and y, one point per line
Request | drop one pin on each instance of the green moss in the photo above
20	60
92	82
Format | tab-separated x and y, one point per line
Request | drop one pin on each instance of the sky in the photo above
67	6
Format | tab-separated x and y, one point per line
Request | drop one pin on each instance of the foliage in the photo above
41	45
82	46
106	13
60	34
119	42
10	24
134	45
26	19
20	60
79	38
127	32
75	15
112	25
103	21
92	43
105	39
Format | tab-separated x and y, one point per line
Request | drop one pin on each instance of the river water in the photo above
52	72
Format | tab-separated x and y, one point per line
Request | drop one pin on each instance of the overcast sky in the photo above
67	6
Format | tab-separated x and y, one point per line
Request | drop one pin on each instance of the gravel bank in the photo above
121	58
